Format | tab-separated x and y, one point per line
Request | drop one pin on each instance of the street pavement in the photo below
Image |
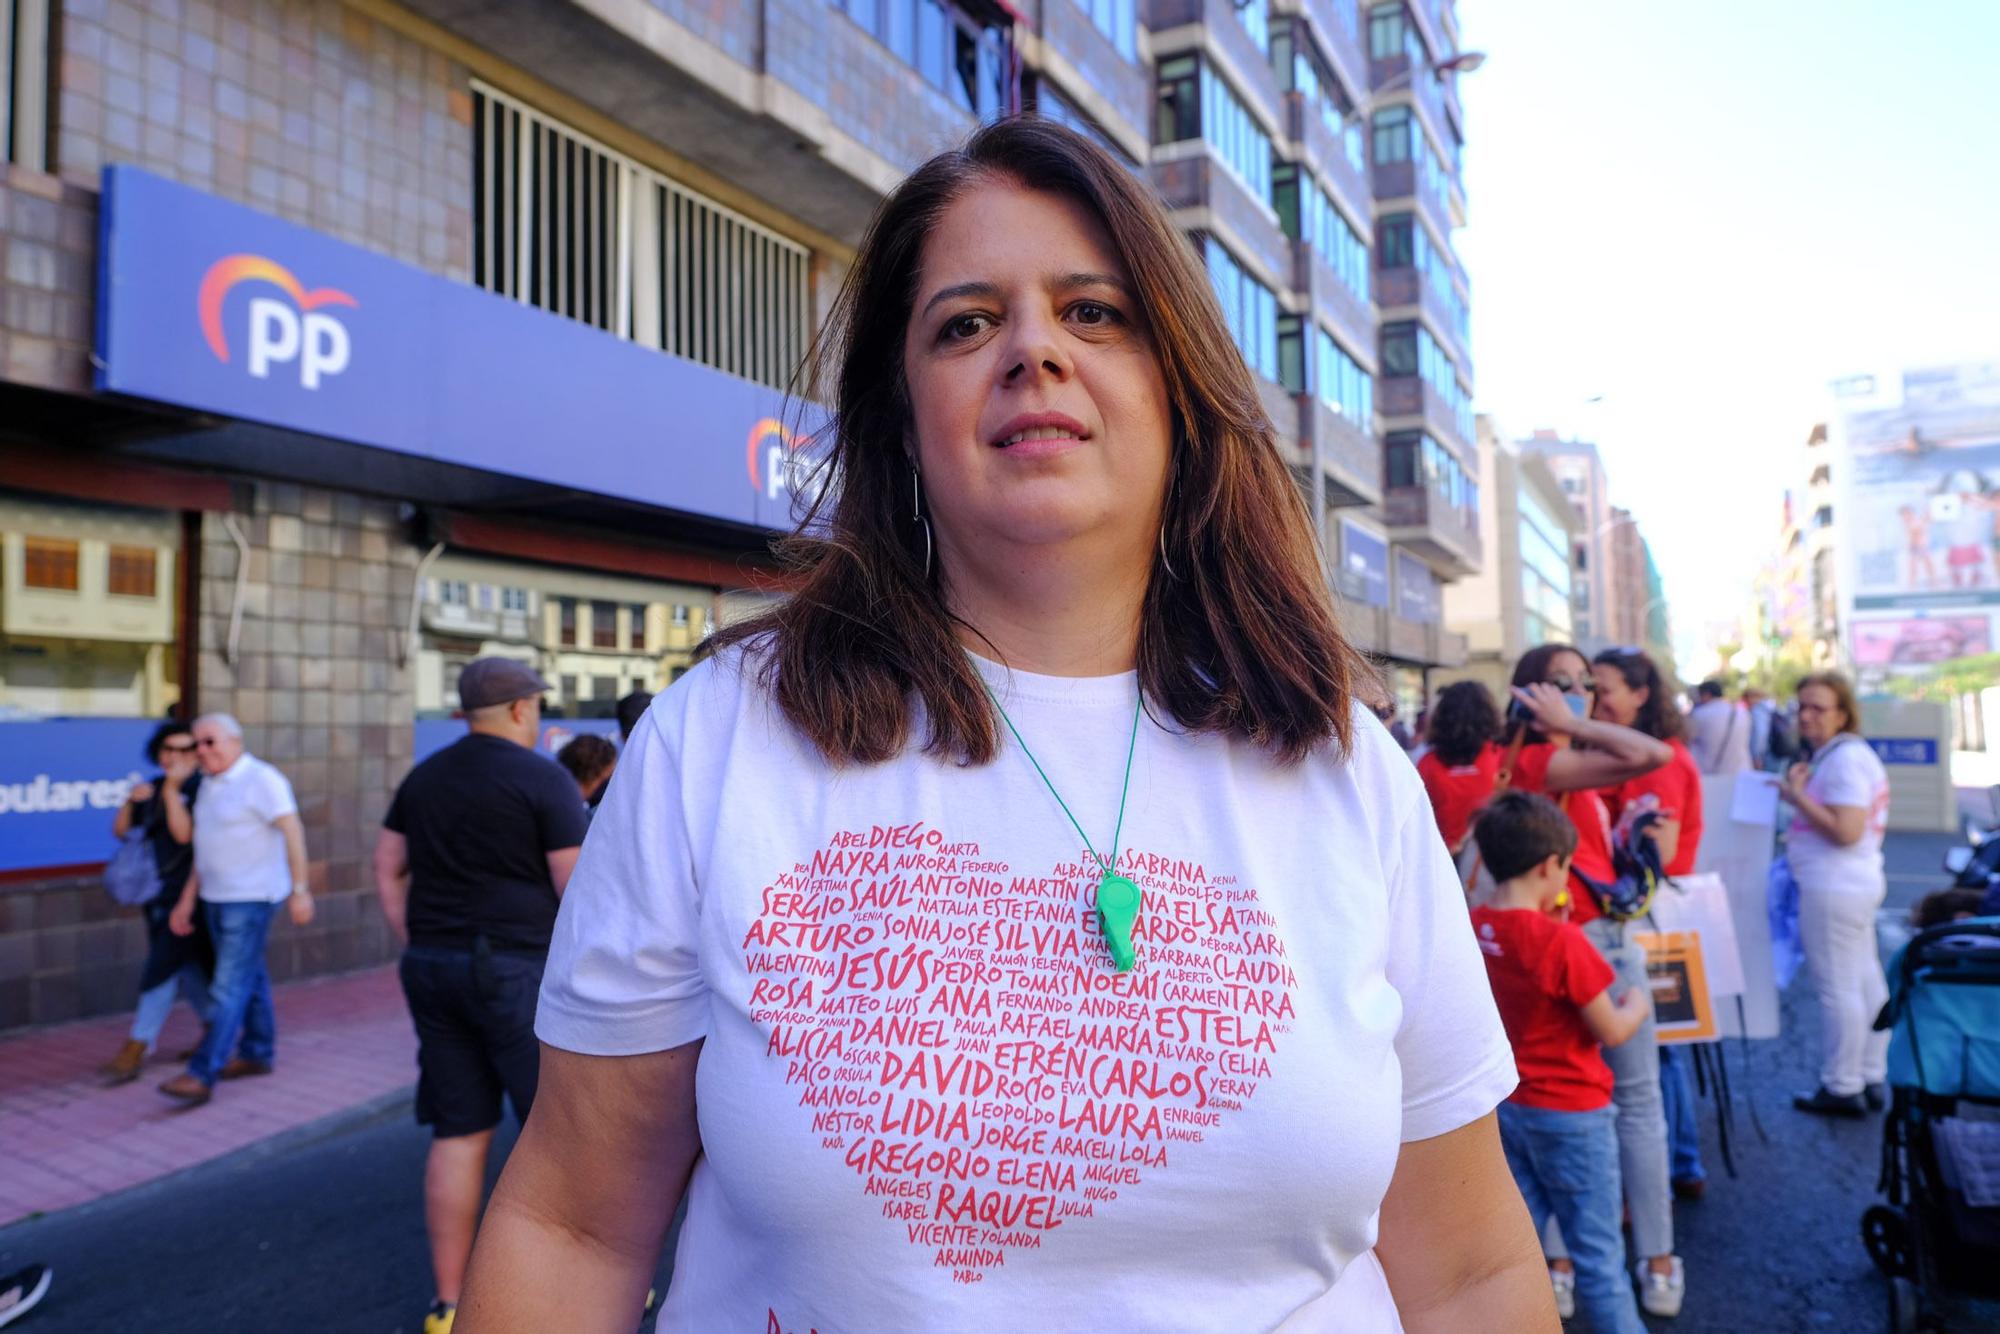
322	1230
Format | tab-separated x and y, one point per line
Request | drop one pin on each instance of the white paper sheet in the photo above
1755	800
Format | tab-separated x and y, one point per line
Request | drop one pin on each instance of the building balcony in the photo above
1352	456
1396	182
1215	26
450	618
1346	41
1425	521
1420	641
1069	35
1409	402
1326	153
1400	291
1381	633
1206	195
1366	627
1351	317
1284	410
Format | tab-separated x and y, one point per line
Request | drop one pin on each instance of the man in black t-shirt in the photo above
470	864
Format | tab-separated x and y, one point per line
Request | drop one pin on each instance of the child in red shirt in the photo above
1553	990
1459	767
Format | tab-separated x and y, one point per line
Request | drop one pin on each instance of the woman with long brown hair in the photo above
1024	924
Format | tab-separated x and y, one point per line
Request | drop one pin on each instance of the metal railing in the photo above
563	223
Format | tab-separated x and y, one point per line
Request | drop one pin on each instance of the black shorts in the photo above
475	1021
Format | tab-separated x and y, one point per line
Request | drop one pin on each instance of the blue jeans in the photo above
1566	1164
241	989
155	1005
1642	1122
1683	1131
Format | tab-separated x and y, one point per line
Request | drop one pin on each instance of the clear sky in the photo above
1704	211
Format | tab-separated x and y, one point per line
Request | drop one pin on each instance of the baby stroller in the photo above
1941	1138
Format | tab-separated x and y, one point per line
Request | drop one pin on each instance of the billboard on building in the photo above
1920	521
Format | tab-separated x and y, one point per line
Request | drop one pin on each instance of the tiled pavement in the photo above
344	1043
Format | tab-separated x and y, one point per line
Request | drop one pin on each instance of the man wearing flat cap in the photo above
471	861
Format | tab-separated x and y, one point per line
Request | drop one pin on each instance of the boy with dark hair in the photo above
1554	993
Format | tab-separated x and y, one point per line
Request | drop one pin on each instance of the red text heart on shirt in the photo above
958	1035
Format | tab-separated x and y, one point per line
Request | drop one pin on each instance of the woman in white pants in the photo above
1841	800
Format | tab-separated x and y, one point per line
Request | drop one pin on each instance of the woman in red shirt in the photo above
1567	756
1458	768
1632	693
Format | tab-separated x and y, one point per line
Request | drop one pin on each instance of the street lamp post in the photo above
1464	62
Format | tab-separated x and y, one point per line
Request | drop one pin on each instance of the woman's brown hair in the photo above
1237	632
1659	717
1843	697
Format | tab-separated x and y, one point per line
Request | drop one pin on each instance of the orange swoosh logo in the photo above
226	273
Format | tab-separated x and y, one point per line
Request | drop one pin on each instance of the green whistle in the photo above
1118	908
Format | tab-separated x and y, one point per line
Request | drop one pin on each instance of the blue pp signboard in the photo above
217	307
1905	749
61	784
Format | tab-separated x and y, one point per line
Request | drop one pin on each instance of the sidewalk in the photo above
343	1043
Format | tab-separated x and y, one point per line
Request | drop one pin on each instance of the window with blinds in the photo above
566	224
132	572
50	562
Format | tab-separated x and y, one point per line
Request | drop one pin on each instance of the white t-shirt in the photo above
926	1099
238	852
1847	773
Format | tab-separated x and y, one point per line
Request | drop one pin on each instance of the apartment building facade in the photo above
1523	593
1579	470
315	441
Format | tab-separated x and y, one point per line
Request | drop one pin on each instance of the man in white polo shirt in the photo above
249	856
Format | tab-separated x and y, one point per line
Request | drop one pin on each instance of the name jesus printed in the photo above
957	1033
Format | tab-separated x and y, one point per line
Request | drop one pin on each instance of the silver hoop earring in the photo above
917	513
1171	572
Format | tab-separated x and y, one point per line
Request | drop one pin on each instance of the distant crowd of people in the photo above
469	868
1590	776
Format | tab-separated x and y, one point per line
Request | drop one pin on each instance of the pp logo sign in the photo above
292	333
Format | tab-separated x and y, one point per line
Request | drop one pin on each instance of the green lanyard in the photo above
1117	897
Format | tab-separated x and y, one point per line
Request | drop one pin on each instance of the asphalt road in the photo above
322	1231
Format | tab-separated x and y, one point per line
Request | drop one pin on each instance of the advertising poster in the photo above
1922	514
1915	641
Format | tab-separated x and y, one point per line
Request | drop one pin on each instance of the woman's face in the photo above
1569	673
1821	718
1037	399
176	754
1617	702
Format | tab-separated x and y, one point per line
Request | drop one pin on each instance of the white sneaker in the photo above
1564	1282
1661	1294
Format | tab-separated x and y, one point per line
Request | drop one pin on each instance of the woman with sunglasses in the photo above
1570	757
1633	692
163	807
